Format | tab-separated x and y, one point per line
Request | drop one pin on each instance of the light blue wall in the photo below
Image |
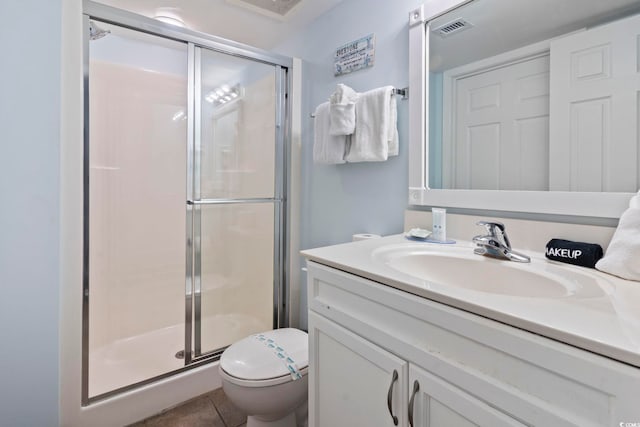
340	200
29	211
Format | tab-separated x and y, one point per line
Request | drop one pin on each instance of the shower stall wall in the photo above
185	198
137	173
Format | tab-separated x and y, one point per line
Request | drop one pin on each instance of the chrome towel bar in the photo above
404	93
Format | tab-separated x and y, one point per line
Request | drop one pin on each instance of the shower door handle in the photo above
231	201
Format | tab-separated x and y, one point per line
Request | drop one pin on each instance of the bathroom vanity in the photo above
392	343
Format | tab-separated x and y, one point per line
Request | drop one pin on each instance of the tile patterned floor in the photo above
212	409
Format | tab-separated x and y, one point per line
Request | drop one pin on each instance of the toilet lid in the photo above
267	355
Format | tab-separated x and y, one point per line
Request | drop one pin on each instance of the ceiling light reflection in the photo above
224	94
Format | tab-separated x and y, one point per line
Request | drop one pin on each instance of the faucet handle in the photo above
493	227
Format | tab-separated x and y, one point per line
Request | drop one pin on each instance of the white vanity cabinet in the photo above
356	382
468	370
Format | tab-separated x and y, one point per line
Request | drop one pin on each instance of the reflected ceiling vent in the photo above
453	27
279	9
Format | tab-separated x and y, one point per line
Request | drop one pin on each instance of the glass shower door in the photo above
237	199
134	208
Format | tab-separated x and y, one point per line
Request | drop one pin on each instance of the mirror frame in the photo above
582	204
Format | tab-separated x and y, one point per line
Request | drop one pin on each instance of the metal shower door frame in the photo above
193	313
194	41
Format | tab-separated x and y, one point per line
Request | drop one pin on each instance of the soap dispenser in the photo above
439	230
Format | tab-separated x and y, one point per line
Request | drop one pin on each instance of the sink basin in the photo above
457	267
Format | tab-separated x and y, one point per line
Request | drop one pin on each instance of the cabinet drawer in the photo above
535	379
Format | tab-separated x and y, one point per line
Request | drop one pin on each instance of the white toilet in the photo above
265	375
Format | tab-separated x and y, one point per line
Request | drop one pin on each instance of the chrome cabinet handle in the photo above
394	378
416	388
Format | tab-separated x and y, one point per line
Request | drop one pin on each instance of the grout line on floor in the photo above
218	411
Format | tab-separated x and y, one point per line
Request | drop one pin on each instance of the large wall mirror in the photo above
529	105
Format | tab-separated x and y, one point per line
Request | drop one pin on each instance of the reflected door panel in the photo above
596	91
499	138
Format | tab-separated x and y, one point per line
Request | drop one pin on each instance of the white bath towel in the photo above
622	257
376	129
327	149
394	142
342	110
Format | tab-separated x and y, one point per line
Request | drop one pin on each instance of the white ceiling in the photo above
224	19
275	8
503	25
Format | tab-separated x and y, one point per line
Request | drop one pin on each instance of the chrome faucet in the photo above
496	243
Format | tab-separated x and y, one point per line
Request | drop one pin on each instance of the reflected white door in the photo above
500	128
595	82
237	199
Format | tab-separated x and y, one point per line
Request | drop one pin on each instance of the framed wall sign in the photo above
355	55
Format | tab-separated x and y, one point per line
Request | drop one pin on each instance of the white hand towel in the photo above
622	257
342	110
370	140
327	149
343	95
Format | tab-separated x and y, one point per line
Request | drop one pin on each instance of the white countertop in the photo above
607	323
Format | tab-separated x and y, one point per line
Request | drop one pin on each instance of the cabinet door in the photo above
438	403
353	382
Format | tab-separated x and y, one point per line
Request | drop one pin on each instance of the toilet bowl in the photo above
265	376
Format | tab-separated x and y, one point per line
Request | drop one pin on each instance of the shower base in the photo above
134	359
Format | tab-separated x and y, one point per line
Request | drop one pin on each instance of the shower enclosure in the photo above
185	198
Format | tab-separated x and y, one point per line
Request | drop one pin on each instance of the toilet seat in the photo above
259	383
266	359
